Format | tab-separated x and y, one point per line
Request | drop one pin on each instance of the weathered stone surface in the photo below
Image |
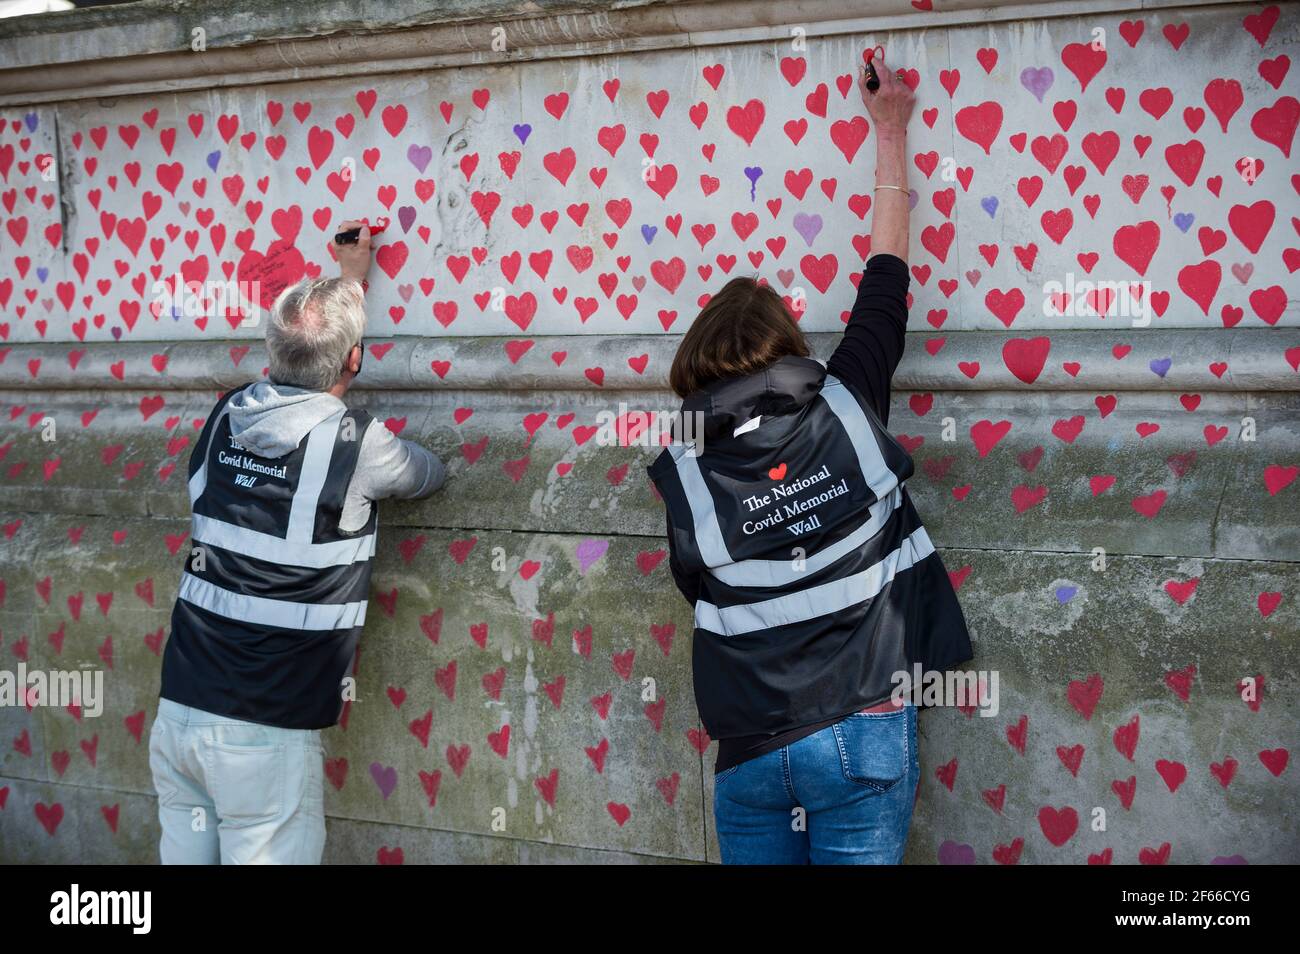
1128	471
1046	623
1170	673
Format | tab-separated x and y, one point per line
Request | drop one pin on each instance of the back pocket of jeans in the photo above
246	781
726	773
873	749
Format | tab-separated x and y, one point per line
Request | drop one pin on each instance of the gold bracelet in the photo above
896	188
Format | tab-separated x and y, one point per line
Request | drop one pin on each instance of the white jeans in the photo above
236	792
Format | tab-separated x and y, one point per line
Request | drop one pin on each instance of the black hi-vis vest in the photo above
817	581
273	597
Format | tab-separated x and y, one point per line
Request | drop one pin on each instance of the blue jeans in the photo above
841	796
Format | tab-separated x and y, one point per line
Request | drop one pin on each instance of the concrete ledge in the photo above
1177	360
1183	479
144	47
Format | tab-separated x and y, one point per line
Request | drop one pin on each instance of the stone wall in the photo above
1114	494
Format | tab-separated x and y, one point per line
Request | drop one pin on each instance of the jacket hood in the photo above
270	419
781	388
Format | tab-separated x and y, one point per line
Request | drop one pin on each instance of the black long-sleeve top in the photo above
873	341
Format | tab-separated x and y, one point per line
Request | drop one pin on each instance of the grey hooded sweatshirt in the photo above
272	419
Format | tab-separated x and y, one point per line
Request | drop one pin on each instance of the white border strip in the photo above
862	436
699	500
262	611
311	479
783	572
273	549
199	482
816	601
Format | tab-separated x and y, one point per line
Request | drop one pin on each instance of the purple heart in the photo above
420	156
1038	80
990	205
117	333
523	131
1161	366
648	232
42	273
753	174
954	853
808	226
214	157
406	217
385	778
913	197
589	551
1066	593
31	119
1184	221
1230	860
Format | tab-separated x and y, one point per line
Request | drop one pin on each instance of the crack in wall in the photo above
630	534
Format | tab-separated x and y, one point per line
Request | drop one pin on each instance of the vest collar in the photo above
783	387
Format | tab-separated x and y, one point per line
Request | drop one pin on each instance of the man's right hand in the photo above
354	260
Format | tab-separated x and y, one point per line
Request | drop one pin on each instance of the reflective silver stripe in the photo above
311	479
675	451
199	482
784	572
264	546
845	406
816	601
261	611
708	535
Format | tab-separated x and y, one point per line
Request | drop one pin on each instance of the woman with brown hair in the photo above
791	532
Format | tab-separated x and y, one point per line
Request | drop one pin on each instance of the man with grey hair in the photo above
283	483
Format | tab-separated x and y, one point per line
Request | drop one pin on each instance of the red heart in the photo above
1276	124
1058	826
49	816
980	124
1275	760
1085	695
1084	60
1154	856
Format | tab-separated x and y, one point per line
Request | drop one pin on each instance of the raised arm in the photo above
388	466
890	107
873	341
